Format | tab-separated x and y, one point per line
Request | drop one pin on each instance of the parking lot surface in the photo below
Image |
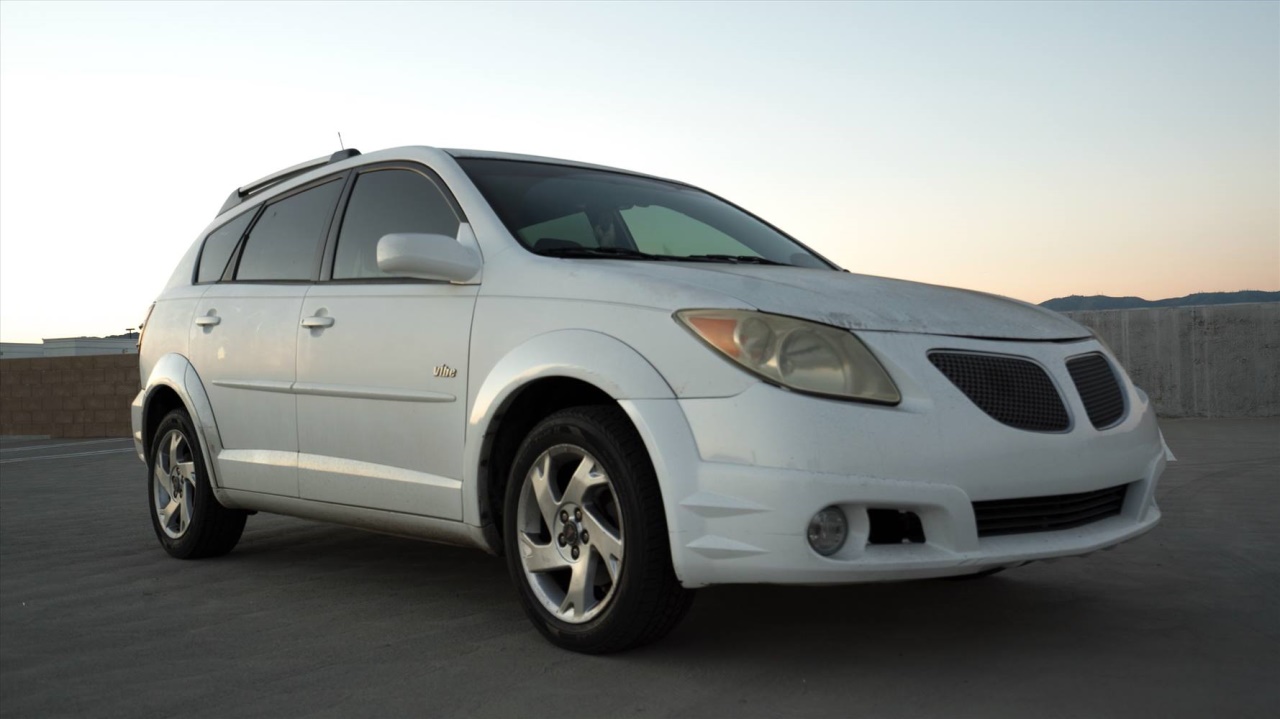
311	619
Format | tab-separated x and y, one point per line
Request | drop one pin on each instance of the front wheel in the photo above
586	536
187	518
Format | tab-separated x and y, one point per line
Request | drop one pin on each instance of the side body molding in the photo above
176	373
592	357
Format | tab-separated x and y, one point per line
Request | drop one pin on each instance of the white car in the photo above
628	386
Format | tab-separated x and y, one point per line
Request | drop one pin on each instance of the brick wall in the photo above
68	396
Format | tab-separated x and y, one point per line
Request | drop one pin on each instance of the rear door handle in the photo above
318	321
207	320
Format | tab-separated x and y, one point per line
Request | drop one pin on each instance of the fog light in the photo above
827	531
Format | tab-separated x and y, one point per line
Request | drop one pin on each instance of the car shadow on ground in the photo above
962	620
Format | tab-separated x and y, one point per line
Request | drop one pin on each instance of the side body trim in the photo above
337	390
374	520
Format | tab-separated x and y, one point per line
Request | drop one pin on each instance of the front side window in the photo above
385	202
285	240
580	212
219	246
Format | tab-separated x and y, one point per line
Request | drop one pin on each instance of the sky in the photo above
1033	150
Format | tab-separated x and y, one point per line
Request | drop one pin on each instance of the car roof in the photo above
491	155
306	171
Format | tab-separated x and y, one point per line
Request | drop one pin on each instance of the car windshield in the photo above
566	211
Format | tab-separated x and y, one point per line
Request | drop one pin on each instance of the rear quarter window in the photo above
218	247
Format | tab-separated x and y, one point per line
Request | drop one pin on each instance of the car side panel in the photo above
382	395
248	366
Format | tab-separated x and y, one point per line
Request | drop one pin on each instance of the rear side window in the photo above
384	202
285	241
218	247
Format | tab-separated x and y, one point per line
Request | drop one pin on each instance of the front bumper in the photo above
741	476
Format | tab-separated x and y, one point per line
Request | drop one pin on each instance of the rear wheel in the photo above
187	518
586	537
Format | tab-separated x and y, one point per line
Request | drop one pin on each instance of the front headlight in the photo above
804	356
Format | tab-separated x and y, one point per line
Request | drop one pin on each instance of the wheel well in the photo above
524	409
162	401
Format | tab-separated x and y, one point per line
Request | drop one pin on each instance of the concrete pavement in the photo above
310	619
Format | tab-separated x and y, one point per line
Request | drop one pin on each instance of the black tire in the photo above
645	601
211	530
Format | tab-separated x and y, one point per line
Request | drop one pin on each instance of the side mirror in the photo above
428	257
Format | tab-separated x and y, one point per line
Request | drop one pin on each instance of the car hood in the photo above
865	302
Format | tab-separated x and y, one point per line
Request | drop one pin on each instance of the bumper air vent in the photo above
1046	514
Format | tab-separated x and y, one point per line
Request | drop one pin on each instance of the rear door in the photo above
245	331
382	360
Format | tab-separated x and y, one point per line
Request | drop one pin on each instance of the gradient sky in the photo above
1028	149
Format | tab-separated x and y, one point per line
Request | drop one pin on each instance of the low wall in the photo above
68	396
1216	361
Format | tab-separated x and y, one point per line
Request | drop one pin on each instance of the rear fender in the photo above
176	373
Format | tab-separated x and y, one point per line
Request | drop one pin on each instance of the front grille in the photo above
1098	388
1045	514
1013	391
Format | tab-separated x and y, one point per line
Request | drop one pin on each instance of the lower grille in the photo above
1098	388
1045	514
1014	391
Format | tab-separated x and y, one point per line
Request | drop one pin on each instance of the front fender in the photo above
175	372
600	360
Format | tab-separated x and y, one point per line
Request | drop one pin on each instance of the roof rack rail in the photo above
240	194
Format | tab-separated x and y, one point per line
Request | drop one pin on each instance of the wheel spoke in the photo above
539	477
580	587
604	542
162	479
187	470
174	443
586	476
184	513
539	557
166	514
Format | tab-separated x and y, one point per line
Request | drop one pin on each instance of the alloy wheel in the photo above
173	487
569	532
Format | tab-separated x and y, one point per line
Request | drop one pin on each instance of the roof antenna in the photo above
340	141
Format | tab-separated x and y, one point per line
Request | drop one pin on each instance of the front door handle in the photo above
207	320
318	321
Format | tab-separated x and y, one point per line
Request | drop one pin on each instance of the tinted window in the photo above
660	231
575	229
218	246
383	202
283	242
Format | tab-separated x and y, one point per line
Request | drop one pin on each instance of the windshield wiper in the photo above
624	253
736	259
615	253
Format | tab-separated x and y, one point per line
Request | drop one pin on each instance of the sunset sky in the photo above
1028	149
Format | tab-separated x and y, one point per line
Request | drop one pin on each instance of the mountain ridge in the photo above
1076	303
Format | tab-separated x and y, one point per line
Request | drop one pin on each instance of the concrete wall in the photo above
1216	361
70	347
68	396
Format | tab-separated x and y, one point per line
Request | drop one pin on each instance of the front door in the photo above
382	361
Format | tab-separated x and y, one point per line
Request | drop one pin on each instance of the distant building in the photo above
71	347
